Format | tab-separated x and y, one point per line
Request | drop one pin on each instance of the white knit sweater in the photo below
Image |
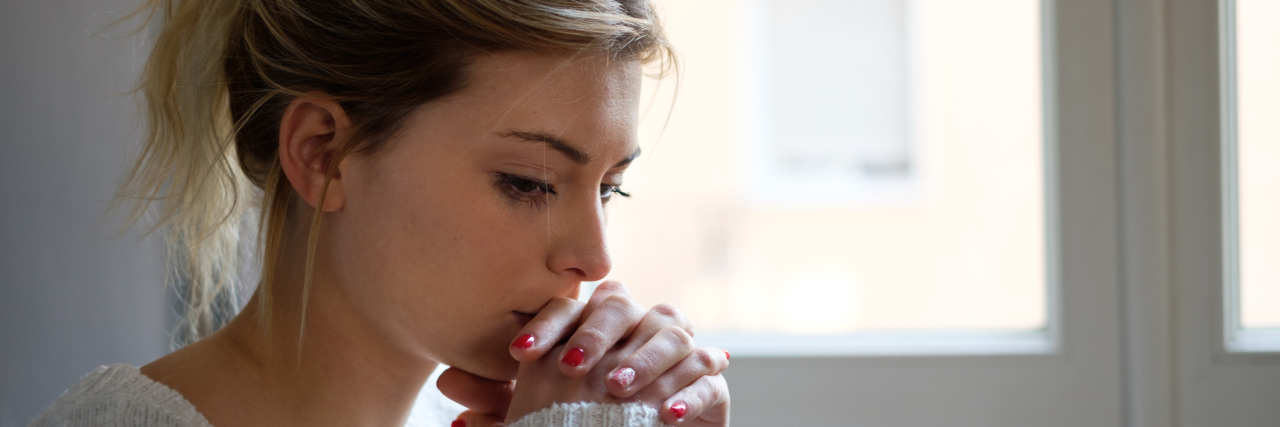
119	395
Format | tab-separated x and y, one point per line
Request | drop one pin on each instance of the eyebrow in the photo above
577	156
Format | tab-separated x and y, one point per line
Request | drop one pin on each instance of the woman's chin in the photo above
505	372
495	367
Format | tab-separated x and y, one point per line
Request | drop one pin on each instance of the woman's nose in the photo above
578	243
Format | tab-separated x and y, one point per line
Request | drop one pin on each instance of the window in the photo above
836	167
1252	155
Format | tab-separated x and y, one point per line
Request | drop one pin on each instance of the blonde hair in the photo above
222	72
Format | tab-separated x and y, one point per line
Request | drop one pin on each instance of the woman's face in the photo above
484	207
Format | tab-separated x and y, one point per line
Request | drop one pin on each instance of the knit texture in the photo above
119	395
592	415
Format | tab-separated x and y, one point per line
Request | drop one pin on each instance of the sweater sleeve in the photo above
585	414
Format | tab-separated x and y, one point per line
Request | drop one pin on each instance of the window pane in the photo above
1258	161
836	166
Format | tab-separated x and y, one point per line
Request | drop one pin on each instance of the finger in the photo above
602	292
553	323
660	316
669	346
612	319
476	393
705	400
477	419
702	362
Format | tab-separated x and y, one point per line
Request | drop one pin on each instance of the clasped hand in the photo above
615	352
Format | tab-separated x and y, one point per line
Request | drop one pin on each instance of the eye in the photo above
607	191
525	189
527	186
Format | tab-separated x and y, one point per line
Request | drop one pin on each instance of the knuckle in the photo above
680	337
718	390
613	304
611	286
705	359
590	337
616	301
666	310
643	361
696	399
622	304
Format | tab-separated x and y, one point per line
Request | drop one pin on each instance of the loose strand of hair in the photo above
313	236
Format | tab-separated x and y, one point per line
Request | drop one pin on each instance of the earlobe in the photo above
313	131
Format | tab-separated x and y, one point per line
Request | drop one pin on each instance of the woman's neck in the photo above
336	371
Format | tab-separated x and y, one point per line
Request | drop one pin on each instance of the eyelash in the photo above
536	193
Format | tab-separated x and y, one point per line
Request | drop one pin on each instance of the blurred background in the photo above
829	176
834	166
71	296
1257	91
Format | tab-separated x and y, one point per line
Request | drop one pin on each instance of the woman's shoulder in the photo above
120	395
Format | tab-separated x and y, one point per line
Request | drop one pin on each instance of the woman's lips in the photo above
522	318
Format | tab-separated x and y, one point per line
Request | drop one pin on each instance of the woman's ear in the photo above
312	132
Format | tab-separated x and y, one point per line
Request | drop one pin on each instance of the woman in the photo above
432	177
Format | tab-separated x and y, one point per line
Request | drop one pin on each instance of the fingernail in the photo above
573	357
679	409
458	423
624	376
522	342
726	354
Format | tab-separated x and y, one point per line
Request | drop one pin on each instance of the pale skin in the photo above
473	226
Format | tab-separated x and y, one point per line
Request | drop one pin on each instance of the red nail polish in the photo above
523	342
573	357
726	354
679	409
458	423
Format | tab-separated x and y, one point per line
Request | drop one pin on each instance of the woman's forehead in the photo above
592	101
520	78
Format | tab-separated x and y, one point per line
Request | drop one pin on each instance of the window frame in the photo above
1215	381
1236	338
1077	380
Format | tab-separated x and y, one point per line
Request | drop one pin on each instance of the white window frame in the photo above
1235	337
1220	377
1067	375
1138	282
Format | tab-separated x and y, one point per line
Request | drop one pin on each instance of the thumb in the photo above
479	394
476	419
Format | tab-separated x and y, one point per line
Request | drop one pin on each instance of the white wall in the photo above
71	298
